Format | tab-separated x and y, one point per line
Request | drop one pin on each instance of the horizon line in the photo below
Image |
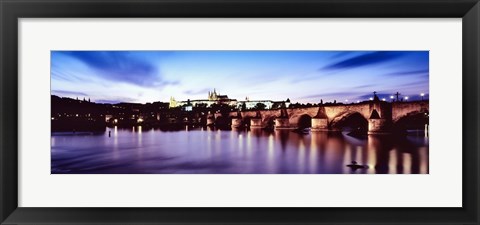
324	102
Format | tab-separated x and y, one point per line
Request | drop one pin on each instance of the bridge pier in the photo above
282	123
319	124
320	121
210	121
256	123
378	126
237	123
380	117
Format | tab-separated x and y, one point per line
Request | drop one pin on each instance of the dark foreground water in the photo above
211	151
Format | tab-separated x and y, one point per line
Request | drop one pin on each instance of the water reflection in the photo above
212	151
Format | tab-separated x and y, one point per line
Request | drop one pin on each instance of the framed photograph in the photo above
251	112
274	129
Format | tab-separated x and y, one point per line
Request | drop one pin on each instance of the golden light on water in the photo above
347	159
392	164
240	142
333	148
271	153
115	142
301	155
371	155
280	151
249	143
407	163
140	142
313	152
139	134
423	160
360	155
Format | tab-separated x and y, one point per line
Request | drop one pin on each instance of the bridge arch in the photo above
221	120
414	120
304	121
246	121
349	120
402	109
378	117
269	121
297	116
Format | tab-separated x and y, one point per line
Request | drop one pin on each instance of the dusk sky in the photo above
302	76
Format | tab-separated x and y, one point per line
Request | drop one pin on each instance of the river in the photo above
207	150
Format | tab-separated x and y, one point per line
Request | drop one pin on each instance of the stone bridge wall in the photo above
388	112
402	109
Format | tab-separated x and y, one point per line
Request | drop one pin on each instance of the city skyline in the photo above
151	76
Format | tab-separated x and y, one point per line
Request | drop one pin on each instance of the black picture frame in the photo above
12	10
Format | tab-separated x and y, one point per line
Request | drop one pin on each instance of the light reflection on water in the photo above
211	151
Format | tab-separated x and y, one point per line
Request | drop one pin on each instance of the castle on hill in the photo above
213	96
217	98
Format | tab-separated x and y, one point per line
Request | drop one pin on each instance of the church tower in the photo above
173	103
213	96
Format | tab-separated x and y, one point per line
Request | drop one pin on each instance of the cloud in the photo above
361	96
363	86
331	94
411	72
341	54
171	83
364	60
120	66
66	76
353	92
63	93
197	92
115	100
380	94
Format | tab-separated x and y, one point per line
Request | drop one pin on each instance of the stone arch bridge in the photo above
381	116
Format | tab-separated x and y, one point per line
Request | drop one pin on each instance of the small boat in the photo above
355	166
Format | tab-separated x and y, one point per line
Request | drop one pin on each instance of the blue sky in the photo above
302	76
